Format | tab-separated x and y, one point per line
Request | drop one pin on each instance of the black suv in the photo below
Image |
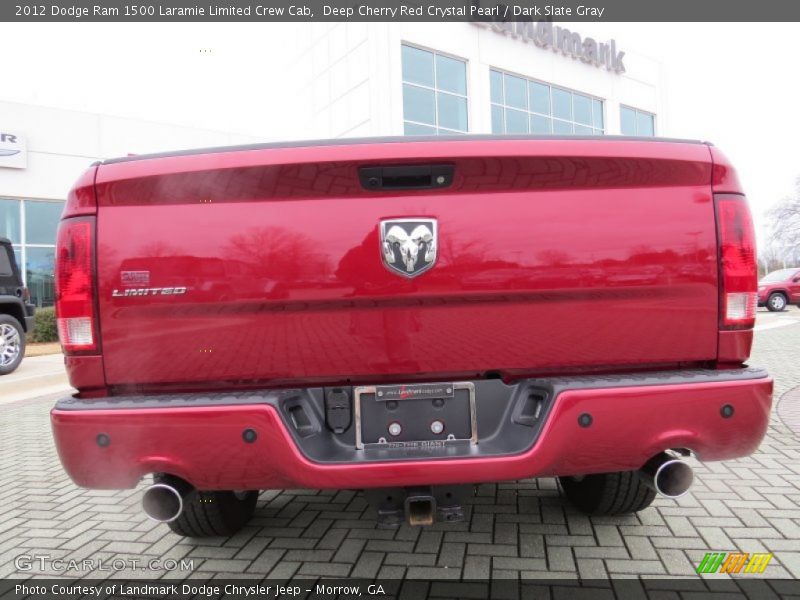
16	313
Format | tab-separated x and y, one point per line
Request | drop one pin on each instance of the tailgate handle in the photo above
406	177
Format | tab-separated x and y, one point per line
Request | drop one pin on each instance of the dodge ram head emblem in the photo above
408	246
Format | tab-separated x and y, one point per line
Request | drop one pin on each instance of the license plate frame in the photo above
411	393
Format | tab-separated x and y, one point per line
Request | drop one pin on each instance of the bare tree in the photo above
784	230
770	257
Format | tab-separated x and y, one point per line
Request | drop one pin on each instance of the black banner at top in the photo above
399	10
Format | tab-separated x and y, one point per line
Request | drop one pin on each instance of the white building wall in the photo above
62	144
331	75
355	79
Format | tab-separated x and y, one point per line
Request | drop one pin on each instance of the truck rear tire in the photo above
12	344
776	302
218	513
608	493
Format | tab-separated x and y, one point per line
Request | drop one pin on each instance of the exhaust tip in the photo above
162	503
673	478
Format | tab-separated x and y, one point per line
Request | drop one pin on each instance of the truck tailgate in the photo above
553	255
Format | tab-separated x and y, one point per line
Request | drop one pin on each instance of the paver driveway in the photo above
513	529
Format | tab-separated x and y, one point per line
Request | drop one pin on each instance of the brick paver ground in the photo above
518	529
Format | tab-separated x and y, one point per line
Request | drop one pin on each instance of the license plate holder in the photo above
415	407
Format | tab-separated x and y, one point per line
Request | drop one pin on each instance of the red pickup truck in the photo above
407	317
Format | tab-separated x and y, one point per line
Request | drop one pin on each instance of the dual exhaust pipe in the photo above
665	474
163	501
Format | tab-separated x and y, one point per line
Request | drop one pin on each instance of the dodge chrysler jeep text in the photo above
408	317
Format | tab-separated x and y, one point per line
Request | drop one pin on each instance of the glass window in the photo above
417	129
644	124
516	121
41	221
34	244
452	112
541	124
582	109
781	275
40	265
451	75
562	104
496	87
419	104
5	261
562	127
417	66
627	121
498	125
539	98
434	93
521	105
516	92
10	219
597	113
637	122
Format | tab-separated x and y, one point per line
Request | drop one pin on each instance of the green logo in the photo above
734	562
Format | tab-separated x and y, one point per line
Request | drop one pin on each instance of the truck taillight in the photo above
75	308
737	262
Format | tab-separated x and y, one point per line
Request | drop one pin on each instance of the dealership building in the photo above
511	78
352	80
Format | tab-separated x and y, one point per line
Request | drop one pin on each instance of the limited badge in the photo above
409	246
